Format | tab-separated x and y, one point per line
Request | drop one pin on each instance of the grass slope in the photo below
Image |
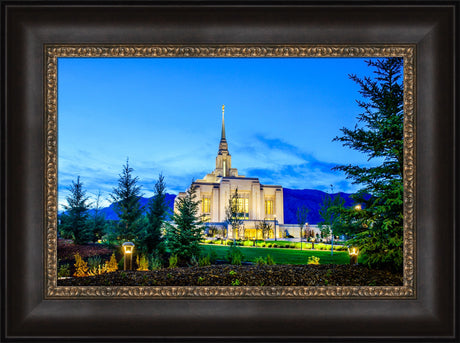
281	256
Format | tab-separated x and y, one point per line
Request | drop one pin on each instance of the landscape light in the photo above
353	252
128	248
358	207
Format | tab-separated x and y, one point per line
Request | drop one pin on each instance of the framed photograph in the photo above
227	171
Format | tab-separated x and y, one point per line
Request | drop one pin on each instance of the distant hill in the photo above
293	198
312	199
109	212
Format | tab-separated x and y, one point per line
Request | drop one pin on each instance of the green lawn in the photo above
281	256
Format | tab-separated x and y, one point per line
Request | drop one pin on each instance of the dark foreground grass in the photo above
280	255
253	275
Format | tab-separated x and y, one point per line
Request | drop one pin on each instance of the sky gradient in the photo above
281	115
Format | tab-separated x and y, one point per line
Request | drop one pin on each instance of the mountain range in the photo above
293	198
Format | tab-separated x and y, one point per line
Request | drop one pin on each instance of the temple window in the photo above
268	207
206	205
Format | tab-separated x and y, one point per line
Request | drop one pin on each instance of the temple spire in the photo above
223	147
222	137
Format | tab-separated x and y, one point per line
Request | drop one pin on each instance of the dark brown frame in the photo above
27	27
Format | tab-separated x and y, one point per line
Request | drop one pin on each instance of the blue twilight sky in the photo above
281	115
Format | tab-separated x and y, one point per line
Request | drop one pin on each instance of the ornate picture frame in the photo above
247	51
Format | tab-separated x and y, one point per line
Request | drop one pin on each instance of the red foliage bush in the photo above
66	250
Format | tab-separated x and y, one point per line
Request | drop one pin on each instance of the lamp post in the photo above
332	242
128	248
353	252
275	226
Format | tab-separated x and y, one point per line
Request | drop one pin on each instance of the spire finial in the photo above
223	123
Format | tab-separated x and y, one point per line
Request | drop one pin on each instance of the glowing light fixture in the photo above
353	252
128	248
358	207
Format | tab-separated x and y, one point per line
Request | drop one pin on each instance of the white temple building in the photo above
256	202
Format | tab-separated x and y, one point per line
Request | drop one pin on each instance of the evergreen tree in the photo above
332	212
126	202
99	221
333	223
379	136
74	222
184	235
152	240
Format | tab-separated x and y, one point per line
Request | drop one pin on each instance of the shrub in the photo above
236	282
234	255
155	262
260	261
121	263
270	260
98	270
313	260
81	267
64	270
212	255
173	260
112	265
94	262
321	246
204	261
269	245
193	261
142	263
275	245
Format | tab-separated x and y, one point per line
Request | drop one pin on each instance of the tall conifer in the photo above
74	222
183	236
126	202
152	240
379	135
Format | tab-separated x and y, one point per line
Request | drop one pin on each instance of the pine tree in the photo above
380	136
74	222
183	236
156	214
126	202
99	221
332	212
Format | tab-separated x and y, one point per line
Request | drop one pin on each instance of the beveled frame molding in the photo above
53	52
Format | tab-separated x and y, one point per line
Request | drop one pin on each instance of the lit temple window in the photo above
243	205
268	207
243	208
206	205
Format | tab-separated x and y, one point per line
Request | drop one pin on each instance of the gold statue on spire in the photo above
222	137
